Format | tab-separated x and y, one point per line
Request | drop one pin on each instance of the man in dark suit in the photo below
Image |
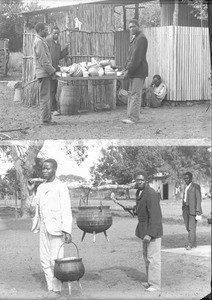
56	54
136	69
191	208
149	230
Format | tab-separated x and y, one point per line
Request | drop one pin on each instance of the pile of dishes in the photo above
93	68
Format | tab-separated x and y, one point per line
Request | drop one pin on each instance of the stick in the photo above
18	129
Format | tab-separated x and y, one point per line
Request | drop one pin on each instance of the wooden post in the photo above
175	14
137	11
124	18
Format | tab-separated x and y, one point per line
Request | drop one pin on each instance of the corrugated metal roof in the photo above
77	2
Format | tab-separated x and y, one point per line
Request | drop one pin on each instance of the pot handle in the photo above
66	243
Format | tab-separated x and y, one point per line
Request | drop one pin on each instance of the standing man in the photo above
149	229
44	72
136	69
53	219
56	55
191	208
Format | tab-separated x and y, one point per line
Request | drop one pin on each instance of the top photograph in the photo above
116	70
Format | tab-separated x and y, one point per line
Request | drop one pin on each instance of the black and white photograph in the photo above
105	149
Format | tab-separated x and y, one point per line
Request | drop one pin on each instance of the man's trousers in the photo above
152	259
49	247
190	225
134	99
45	94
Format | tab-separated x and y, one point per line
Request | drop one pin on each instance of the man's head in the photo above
188	177
140	179
55	32
41	29
157	80
49	169
133	26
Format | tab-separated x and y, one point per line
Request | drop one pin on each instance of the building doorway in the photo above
165	191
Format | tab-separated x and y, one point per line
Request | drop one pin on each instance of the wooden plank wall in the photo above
180	55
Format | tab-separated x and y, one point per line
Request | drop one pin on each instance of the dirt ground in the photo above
168	122
114	269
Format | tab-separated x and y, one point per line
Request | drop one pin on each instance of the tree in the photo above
12	22
24	158
118	164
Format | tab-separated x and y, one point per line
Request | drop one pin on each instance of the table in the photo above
105	95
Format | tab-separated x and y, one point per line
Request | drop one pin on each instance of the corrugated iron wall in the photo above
181	55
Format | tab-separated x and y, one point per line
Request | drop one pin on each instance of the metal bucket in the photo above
69	268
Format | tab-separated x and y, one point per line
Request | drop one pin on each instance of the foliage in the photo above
77	152
149	14
12	23
118	164
199	9
72	178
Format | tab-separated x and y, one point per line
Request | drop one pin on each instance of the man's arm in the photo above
138	54
42	57
155	216
198	200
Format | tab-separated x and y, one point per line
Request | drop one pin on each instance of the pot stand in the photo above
94	236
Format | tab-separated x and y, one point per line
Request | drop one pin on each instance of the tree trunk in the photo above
24	167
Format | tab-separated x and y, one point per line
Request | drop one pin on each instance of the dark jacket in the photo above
194	199
149	214
136	62
55	51
42	58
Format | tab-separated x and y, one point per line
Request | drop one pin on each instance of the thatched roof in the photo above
77	2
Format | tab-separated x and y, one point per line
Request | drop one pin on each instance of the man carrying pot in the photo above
136	69
53	219
149	229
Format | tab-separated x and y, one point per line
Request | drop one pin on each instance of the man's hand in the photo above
125	74
198	217
68	237
53	76
30	186
147	238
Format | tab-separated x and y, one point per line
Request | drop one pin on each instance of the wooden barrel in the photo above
94	218
70	100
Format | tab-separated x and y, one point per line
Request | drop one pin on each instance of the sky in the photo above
66	165
53	3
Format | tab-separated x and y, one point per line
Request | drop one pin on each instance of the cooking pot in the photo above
94	219
69	268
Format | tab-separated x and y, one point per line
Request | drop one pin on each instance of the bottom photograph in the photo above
97	219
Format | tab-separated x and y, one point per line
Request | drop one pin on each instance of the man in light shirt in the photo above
53	219
156	93
191	208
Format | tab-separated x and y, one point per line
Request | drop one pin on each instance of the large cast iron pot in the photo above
69	268
94	219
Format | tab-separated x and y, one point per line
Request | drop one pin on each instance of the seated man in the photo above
156	93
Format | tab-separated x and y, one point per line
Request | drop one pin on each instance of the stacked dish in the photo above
109	71
78	72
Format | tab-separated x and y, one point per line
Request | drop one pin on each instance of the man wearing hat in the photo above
149	229
136	69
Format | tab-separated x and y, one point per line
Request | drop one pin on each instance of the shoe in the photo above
128	121
188	248
55	113
53	295
145	284
151	289
49	123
